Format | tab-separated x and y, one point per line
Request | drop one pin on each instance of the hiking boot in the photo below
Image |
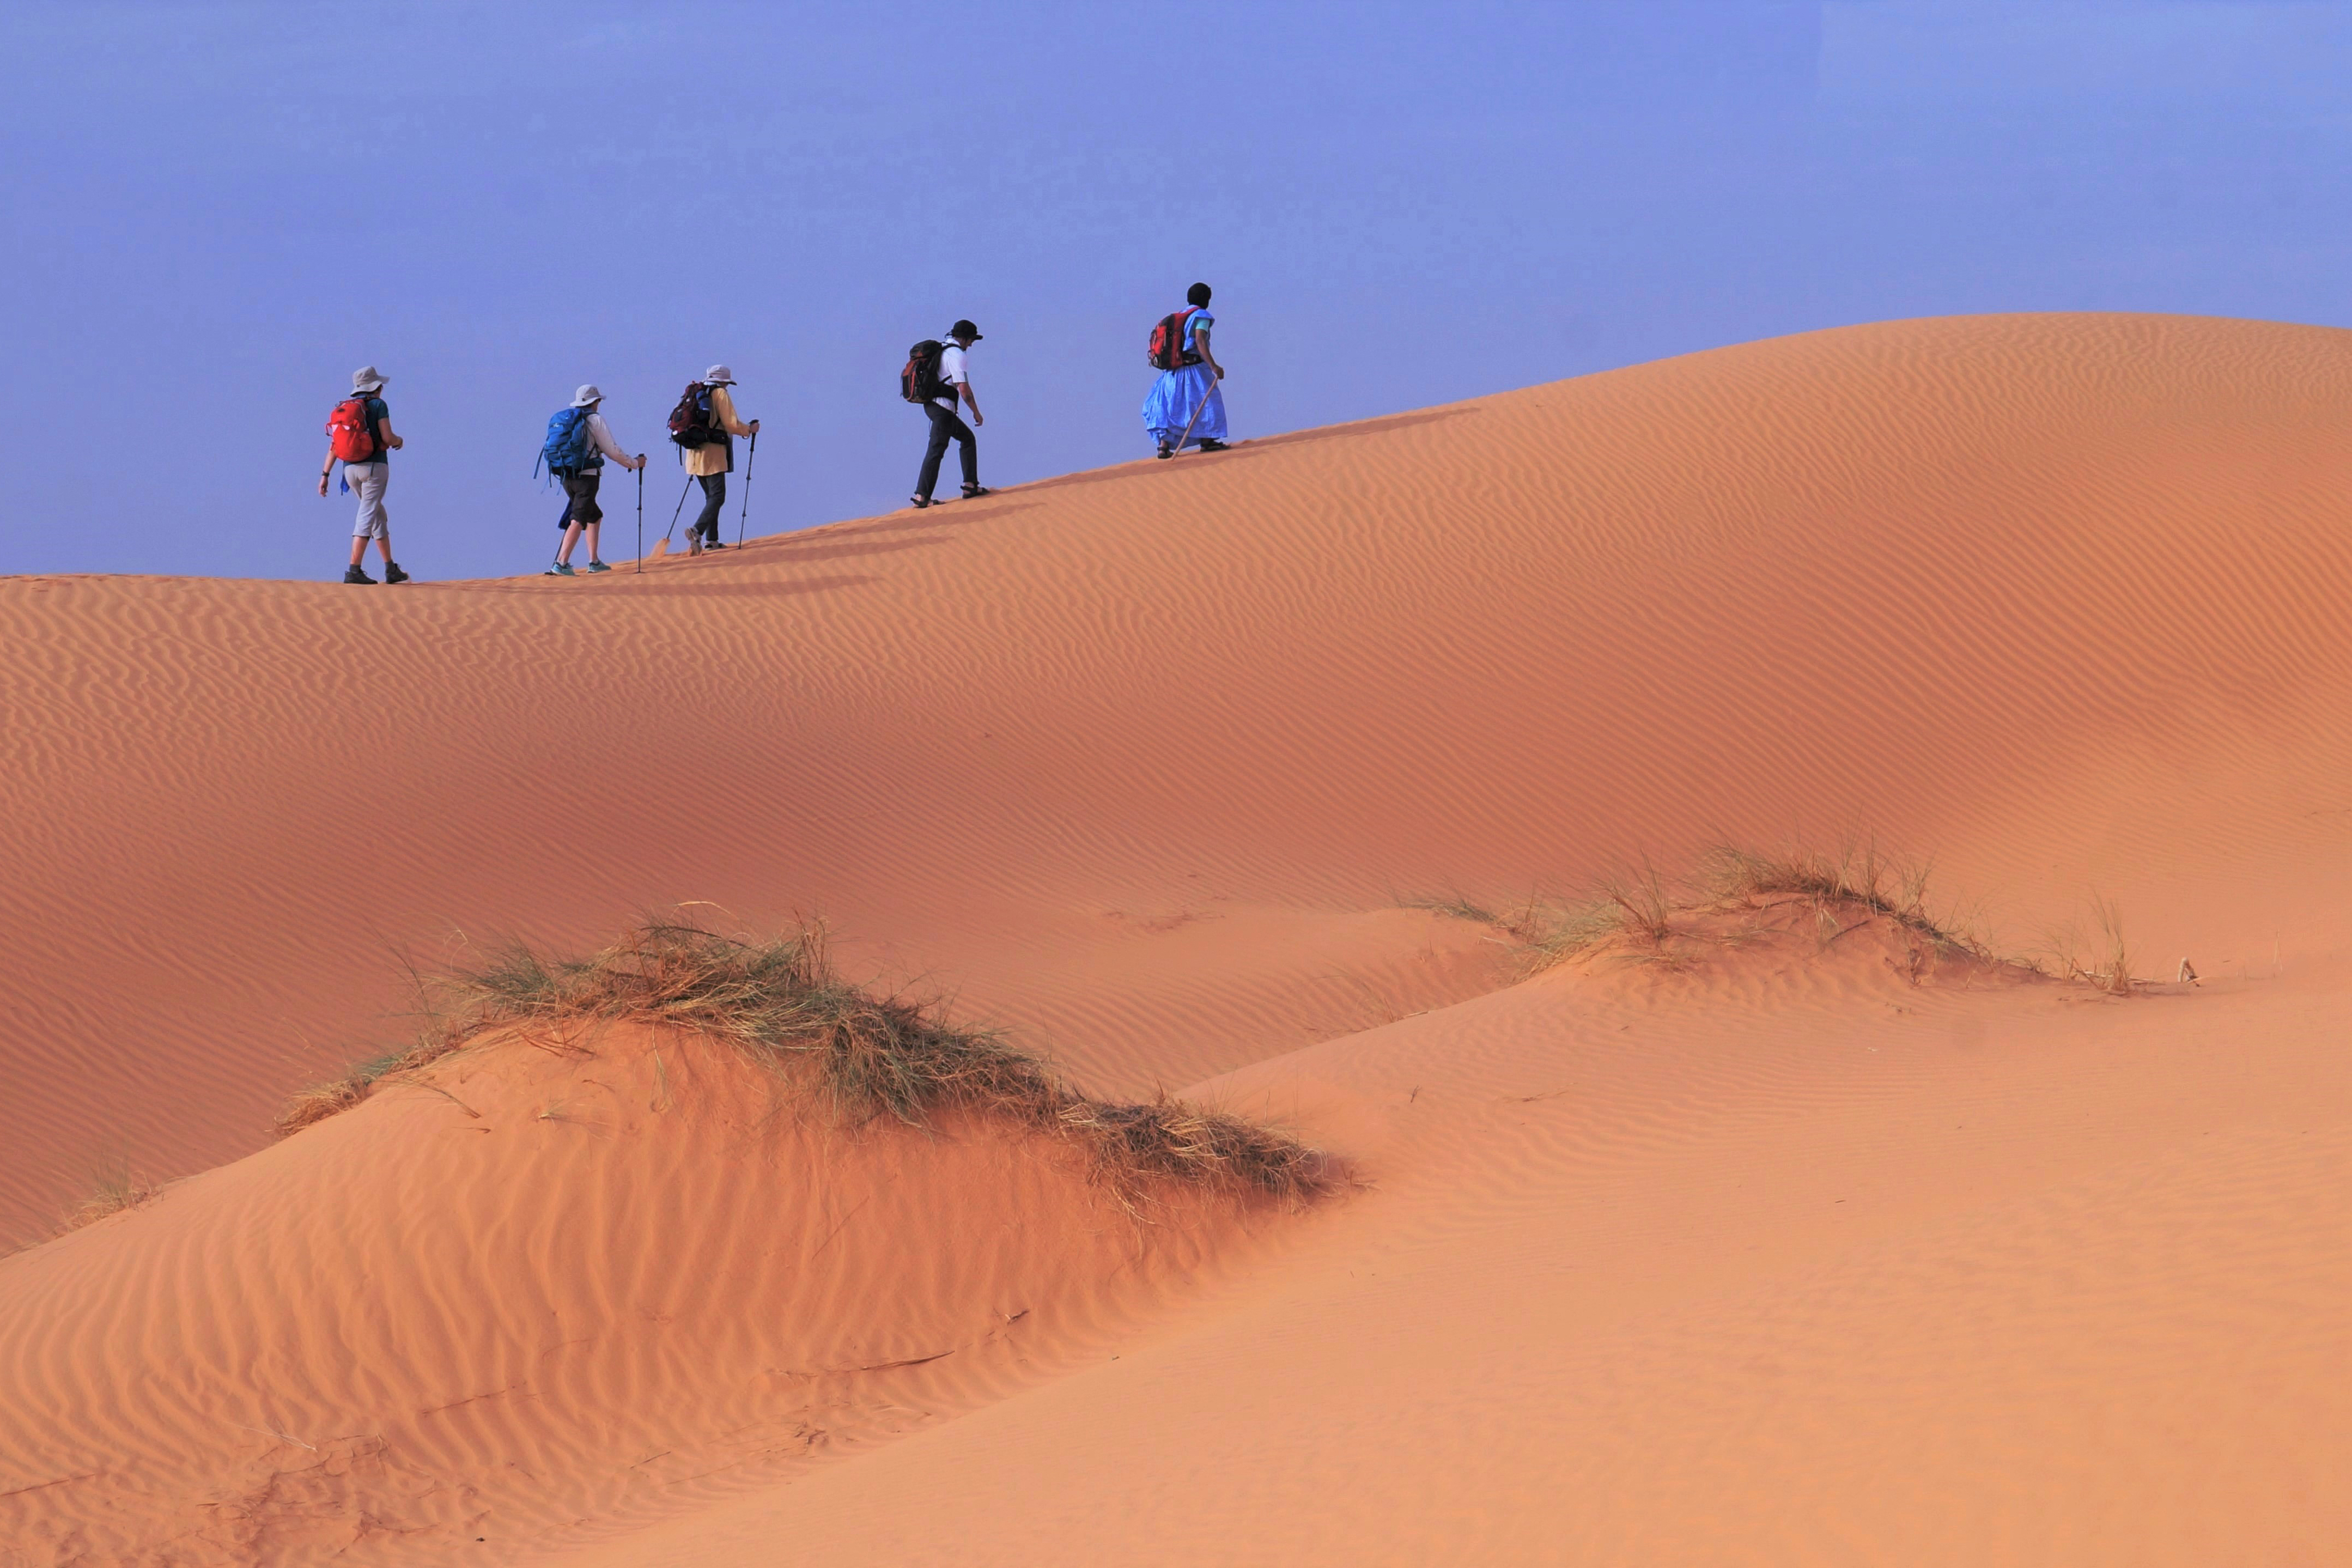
357	575
598	566
1213	445
560	569
714	544
392	573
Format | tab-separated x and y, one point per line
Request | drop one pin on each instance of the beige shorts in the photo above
367	482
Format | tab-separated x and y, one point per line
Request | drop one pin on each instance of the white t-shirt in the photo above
951	374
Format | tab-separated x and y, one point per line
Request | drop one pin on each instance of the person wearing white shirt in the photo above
955	383
580	512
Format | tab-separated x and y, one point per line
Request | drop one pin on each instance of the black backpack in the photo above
920	381
689	422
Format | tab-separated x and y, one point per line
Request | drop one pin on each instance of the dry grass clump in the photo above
113	1190
1740	896
2108	965
781	1005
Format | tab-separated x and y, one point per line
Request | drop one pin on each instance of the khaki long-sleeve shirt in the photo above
717	456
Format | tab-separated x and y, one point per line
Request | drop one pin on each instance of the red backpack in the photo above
1168	350
348	434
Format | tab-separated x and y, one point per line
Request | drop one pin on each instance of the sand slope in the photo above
1786	1263
1142	762
544	1282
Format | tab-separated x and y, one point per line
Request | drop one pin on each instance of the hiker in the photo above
935	376
704	426
577	442
1187	394
360	433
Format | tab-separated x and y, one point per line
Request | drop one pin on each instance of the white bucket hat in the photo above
367	378
587	396
718	375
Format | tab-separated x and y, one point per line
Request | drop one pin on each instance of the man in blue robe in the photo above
1189	393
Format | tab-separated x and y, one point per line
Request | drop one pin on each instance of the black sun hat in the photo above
964	329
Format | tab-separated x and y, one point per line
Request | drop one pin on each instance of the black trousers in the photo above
580	497
714	501
948	426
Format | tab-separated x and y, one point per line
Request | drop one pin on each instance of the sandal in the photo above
973	492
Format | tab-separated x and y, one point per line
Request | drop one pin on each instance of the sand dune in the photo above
554	1278
1779	1259
1847	1271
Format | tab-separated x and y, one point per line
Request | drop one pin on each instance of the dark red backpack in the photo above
690	423
1168	350
920	381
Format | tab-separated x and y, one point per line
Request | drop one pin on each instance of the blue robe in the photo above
1178	393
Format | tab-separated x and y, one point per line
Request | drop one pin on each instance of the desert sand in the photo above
1779	1254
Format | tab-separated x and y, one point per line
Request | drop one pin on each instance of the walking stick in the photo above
1196	413
641	511
664	548
749	458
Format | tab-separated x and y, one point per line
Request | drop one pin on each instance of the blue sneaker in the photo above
598	566
560	569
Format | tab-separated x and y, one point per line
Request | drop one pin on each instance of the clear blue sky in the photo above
213	212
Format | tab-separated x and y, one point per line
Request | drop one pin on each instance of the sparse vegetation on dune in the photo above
1738	897
866	1058
2108	965
113	1190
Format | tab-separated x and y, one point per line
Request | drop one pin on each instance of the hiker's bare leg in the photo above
570	537
383	546
359	548
593	527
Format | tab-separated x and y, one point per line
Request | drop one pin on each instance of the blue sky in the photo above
213	213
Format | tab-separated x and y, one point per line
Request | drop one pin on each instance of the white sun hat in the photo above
367	378
718	375
587	396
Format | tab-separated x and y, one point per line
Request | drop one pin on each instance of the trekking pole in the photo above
641	511
675	510
1196	414
749	458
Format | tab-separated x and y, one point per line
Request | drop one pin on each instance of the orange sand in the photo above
1781	1259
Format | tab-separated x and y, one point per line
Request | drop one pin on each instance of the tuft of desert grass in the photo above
2108	965
781	1005
1641	917
113	1189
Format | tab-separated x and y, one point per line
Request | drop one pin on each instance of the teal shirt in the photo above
377	414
